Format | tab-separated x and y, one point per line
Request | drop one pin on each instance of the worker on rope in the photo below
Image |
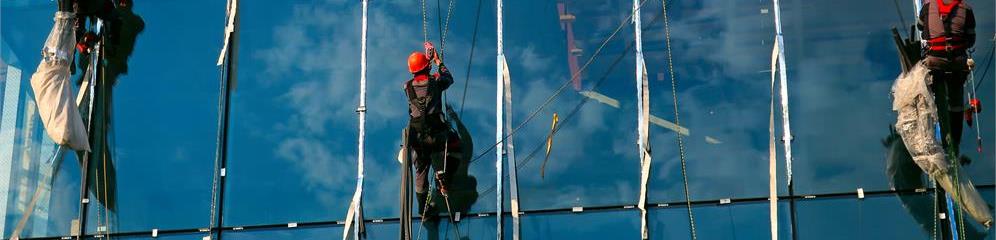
931	94
430	135
948	26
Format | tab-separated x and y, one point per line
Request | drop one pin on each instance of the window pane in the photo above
730	221
163	127
286	233
880	217
593	159
721	52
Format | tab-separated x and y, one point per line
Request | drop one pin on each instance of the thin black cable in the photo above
558	91
470	60
989	63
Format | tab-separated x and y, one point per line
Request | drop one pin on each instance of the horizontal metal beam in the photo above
662	205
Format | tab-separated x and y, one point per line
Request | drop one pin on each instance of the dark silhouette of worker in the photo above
122	27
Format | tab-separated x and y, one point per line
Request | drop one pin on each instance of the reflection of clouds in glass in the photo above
719	48
326	173
320	94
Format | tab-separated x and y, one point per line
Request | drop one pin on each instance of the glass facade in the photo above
291	145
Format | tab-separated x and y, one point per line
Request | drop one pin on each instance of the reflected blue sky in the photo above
292	133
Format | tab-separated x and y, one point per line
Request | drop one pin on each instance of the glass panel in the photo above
292	131
197	236
721	53
593	160
879	217
731	221
841	68
587	225
161	176
284	233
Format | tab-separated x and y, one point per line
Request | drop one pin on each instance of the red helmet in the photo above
417	62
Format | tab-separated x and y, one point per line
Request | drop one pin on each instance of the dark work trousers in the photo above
429	150
949	96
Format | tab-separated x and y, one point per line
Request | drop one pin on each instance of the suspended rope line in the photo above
677	121
989	63
470	60
559	90
446	28
425	24
934	233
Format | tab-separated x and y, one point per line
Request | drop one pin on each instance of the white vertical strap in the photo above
645	158
917	4
499	134
787	130
229	29
353	215
772	158
510	152
643	123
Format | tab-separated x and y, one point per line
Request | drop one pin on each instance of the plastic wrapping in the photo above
917	116
53	88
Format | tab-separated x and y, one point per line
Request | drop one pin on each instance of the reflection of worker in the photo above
948	26
429	132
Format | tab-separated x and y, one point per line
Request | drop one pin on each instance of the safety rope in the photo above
936	214
425	24
677	121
